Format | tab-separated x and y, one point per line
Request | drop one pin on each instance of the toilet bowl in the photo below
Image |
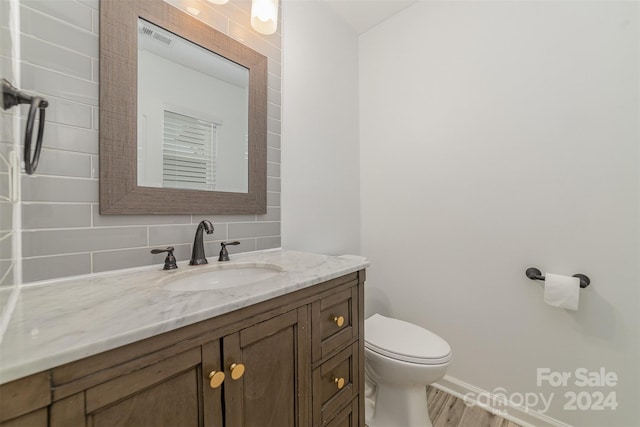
401	359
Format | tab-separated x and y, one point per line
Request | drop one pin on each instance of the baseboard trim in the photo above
515	413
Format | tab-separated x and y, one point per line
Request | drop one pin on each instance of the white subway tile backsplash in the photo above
54	189
53	267
253	229
4	184
64	86
195	219
95	118
5	66
64	112
5	42
273	184
54	242
273	169
6	219
64	163
273	214
58	32
95	70
5	246
43	54
274	96
273	199
48	215
273	154
121	220
5	266
274	82
273	111
95	167
275	67
273	140
94	4
95	22
213	17
268	242
5	149
68	11
243	32
5	13
160	235
273	125
68	138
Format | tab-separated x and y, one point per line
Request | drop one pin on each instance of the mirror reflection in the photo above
193	108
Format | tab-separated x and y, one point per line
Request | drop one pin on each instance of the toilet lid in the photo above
405	341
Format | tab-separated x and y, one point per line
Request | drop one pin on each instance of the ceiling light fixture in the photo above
219	1
264	16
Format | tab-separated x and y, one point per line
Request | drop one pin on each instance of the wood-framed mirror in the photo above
150	143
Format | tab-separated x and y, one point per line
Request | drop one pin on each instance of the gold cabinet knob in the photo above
339	382
338	320
216	378
237	371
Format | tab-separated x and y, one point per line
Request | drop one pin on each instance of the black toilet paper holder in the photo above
535	274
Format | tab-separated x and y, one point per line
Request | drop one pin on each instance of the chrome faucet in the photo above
197	253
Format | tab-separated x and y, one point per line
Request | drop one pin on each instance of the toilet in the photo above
401	359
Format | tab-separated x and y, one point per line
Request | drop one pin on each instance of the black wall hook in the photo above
535	274
11	97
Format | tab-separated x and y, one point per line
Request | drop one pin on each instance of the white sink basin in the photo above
217	277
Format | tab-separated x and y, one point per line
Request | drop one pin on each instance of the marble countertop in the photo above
60	321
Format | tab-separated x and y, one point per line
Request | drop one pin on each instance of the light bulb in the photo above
264	16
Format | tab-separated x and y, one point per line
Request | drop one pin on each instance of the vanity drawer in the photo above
348	417
335	384
336	315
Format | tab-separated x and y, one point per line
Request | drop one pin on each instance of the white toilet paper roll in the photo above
561	291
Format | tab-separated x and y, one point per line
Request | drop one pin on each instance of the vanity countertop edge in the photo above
60	321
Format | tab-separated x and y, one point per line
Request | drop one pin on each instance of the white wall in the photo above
320	154
497	136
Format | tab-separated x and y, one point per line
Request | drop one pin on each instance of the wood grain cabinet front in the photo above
255	366
348	417
270	390
335	384
167	391
336	321
24	402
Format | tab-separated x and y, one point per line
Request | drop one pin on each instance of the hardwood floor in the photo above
446	410
449	411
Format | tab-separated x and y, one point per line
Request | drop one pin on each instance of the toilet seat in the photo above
405	341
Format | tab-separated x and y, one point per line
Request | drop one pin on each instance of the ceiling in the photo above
361	15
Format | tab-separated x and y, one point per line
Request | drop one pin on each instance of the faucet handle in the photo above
170	260
224	255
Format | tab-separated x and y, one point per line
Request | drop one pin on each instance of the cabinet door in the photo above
24	402
274	389
168	392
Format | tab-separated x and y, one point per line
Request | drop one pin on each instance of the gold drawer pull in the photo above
217	378
339	382
338	320
237	371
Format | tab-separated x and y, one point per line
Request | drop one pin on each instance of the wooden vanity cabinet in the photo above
24	402
289	348
275	356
